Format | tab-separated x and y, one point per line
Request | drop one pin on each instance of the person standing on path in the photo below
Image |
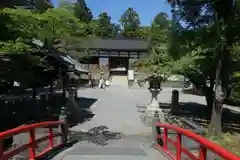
101	81
92	82
89	79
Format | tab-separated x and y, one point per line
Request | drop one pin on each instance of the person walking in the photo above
89	79
92	82
101	81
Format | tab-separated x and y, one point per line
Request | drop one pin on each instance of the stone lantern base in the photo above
152	108
154	104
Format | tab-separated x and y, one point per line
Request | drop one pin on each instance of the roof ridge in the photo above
119	38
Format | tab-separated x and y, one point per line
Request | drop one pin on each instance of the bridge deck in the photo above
130	147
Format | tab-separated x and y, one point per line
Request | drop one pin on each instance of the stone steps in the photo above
129	147
119	81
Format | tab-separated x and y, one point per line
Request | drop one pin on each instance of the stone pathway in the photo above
116	109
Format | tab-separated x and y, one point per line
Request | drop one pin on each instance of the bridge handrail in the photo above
204	144
32	145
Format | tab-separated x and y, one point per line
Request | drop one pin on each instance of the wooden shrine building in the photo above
113	55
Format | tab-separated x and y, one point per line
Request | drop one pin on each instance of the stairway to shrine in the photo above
120	81
128	148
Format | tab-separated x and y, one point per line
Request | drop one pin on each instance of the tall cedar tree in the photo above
130	23
82	12
219	17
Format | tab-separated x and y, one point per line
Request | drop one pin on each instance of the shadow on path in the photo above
84	102
198	113
50	155
84	111
99	135
192	91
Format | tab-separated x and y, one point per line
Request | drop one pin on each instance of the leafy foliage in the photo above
67	6
209	32
158	62
104	27
82	12
17	23
14	47
130	23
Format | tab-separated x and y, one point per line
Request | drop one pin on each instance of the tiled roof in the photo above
118	44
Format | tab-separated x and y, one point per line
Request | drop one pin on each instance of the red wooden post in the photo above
179	146
32	149
203	153
50	136
165	138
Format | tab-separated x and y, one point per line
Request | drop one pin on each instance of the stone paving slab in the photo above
108	151
129	147
101	157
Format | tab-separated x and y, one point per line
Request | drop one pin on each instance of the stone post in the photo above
154	129
64	127
175	102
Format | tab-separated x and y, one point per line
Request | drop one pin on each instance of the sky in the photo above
147	9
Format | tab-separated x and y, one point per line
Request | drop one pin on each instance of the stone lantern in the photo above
72	83
154	89
70	86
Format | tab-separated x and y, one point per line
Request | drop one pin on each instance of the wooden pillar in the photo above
98	59
109	62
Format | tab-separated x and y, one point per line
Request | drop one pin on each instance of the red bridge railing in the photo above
205	144
33	142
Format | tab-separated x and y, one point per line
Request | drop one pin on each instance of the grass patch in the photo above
230	141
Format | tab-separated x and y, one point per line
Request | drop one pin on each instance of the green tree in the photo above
104	26
160	28
65	38
82	12
130	22
12	3
20	26
40	5
68	6
43	5
208	36
144	32
116	32
158	62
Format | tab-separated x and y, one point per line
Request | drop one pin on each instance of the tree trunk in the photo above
215	127
209	98
208	92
